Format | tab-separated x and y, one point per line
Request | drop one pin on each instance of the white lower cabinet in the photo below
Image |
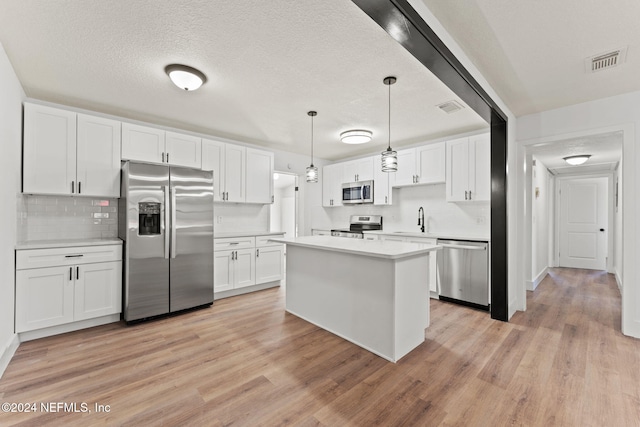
433	283
241	262
62	285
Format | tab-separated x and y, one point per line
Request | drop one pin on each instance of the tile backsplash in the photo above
60	217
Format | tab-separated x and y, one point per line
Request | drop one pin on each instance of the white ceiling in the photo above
267	64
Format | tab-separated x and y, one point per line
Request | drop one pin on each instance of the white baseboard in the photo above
68	327
8	353
246	290
533	284
618	280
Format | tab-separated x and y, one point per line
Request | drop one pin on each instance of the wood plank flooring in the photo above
245	362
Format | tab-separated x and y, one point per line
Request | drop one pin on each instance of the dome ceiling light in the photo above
577	160
185	77
356	136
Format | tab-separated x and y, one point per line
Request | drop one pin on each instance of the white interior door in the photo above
583	223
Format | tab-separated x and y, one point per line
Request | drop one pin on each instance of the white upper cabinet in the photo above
431	164
142	143
421	165
147	144
382	183
235	173
183	150
468	169
213	160
70	154
332	179
98	155
259	176
358	170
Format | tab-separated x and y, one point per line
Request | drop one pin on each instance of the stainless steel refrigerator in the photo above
166	222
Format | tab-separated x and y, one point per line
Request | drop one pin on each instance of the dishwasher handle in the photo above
465	247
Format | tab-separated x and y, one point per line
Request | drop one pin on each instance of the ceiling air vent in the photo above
606	60
450	106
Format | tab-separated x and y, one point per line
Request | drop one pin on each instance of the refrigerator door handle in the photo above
173	222
167	222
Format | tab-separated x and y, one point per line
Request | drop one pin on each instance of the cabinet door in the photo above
44	297
49	164
222	271
269	264
457	182
213	160
332	179
431	163
142	143
480	155
406	168
234	171
381	184
98	290
98	157
183	150
244	268
259	176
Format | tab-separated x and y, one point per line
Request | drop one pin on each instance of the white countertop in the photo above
371	248
227	234
67	243
436	235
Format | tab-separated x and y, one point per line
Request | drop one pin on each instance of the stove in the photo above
358	224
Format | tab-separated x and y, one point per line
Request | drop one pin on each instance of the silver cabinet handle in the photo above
167	224
167	157
173	222
79	187
73	187
77	273
468	248
465	195
469	194
163	157
74	256
234	243
385	199
258	253
70	273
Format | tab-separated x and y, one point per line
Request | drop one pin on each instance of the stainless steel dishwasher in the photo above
463	272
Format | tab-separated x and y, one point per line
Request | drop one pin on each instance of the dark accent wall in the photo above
406	26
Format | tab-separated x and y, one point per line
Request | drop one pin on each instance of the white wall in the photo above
617	225
618	113
11	97
541	223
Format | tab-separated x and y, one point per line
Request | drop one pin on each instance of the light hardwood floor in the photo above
246	362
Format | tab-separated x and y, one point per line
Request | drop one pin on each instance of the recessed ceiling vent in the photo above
606	60
450	106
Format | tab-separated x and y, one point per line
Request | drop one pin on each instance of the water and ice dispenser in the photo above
149	218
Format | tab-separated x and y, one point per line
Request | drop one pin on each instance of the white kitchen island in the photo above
372	293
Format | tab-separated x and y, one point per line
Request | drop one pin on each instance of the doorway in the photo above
284	209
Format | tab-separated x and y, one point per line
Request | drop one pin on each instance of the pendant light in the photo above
389	157
312	171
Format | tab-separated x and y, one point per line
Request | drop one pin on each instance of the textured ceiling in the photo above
533	52
267	64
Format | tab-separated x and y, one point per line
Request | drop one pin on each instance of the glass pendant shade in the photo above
389	160
312	173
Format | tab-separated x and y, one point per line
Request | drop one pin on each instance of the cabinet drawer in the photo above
233	243
262	241
50	257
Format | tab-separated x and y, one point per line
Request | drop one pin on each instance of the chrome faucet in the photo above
421	218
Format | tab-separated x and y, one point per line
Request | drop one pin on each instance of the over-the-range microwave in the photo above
357	192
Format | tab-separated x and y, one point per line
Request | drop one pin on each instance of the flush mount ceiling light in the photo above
389	157
356	136
577	160
312	171
185	77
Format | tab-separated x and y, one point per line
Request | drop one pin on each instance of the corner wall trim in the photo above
8	353
533	284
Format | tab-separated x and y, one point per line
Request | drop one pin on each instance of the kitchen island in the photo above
372	293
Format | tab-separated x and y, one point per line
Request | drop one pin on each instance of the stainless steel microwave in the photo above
357	192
